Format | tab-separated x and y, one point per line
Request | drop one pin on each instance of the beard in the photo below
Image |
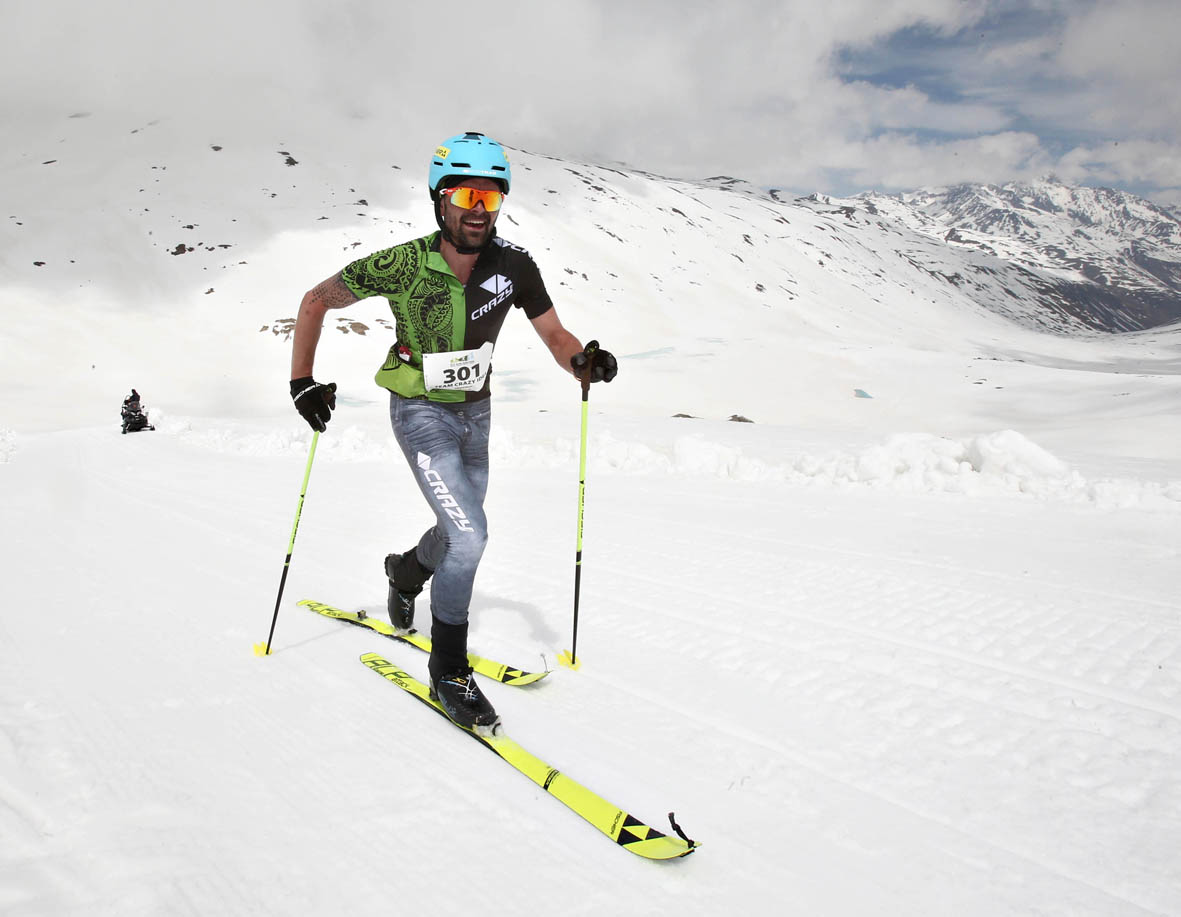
468	230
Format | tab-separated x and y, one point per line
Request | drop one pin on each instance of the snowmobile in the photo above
135	418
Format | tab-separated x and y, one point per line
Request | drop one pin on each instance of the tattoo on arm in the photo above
333	293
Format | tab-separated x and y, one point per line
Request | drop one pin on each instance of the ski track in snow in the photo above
949	694
816	680
929	667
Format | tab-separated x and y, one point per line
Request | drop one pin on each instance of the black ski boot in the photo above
452	683
406	576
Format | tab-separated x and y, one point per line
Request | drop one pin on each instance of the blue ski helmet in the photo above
470	155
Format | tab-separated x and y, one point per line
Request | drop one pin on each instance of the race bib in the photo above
459	370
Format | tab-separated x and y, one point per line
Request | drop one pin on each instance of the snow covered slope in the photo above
152	252
907	644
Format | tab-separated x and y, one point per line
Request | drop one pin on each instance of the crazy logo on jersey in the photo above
501	289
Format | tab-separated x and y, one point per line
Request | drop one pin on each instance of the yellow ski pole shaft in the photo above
260	649
571	659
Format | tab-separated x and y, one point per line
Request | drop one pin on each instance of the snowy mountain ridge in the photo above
1106	257
1047	255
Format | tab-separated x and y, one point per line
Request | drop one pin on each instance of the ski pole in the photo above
570	659
264	649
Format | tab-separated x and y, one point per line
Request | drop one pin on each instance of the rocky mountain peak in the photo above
1110	258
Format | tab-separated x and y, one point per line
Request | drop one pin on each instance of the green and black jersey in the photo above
435	314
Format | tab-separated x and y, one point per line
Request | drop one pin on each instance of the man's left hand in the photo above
593	359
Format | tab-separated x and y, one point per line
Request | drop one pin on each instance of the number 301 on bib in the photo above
457	370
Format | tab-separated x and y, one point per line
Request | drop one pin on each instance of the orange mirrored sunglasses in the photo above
467	198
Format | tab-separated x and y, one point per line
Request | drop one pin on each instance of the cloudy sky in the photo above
836	96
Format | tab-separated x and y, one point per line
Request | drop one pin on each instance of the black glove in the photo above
314	400
603	366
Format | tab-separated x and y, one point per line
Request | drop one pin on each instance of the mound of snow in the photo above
7	444
999	463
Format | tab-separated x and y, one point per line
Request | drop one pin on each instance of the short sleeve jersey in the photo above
435	313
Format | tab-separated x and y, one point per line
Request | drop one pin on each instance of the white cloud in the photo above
900	161
1131	41
1123	163
1169	198
752	89
1126	58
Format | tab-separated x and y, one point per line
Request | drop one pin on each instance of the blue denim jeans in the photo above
446	446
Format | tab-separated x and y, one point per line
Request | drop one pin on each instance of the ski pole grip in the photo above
589	352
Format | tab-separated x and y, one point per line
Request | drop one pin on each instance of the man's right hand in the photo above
314	400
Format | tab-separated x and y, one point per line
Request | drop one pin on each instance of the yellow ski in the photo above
627	831
489	668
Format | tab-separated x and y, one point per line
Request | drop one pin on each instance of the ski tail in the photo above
489	668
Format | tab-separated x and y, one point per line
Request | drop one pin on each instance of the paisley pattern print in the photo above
420	300
431	315
387	271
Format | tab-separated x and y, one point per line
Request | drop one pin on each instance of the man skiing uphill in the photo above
450	292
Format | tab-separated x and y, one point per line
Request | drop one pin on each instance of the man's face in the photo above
470	227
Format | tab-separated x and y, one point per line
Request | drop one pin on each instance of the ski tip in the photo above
261	649
568	661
